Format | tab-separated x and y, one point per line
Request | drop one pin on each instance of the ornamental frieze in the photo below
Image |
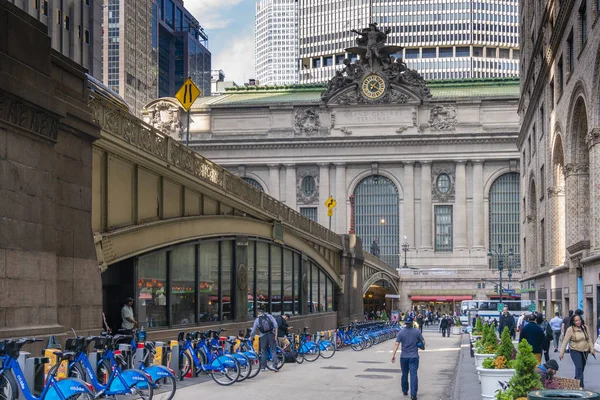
307	122
28	117
442	117
443	176
572	169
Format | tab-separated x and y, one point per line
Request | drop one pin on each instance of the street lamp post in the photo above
500	254
405	249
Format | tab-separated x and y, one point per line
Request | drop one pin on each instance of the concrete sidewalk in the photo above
467	386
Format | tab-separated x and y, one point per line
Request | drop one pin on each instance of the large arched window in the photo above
504	216
254	183
377	217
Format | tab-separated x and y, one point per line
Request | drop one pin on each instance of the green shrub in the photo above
526	378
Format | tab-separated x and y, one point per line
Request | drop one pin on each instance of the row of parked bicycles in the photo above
360	336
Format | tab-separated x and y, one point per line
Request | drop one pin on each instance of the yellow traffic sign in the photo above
187	94
330	213
330	203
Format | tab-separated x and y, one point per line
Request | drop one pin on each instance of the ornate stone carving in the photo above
401	128
165	116
414	118
306	121
332	119
29	117
442	117
571	169
301	173
393	81
556	191
345	130
438	169
593	137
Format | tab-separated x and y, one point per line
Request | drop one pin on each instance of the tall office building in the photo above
276	42
442	39
74	27
150	48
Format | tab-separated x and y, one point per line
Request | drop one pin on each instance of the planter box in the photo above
480	357
456	330
562	394
490	380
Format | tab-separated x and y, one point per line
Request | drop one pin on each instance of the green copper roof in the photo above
291	94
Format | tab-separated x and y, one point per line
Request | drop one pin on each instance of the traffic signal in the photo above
483	285
496	288
478	285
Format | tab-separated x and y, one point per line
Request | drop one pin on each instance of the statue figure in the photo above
373	39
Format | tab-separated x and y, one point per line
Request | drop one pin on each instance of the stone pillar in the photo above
290	185
478	213
350	300
578	197
341	197
426	210
409	205
593	141
240	286
274	181
556	197
460	207
305	265
324	193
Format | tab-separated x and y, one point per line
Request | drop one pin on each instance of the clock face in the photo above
373	86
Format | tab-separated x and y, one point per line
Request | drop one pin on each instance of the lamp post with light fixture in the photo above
500	254
405	249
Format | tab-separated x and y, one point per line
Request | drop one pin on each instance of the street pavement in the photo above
468	387
349	375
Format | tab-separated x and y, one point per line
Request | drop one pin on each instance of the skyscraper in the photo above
150	48
74	27
276	42
441	39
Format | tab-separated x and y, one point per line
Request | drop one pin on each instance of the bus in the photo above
489	308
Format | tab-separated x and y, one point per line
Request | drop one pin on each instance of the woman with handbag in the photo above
581	344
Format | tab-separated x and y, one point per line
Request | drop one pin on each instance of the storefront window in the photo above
330	294
298	282
226	279
314	295
288	282
275	280
262	276
322	285
151	290
251	283
208	279
183	280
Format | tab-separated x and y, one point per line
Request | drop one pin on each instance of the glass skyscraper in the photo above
276	42
442	39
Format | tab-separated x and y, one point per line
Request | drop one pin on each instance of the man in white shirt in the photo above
520	322
127	315
555	324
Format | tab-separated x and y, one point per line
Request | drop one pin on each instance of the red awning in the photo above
441	298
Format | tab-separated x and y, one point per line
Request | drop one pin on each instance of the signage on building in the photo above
527	290
187	94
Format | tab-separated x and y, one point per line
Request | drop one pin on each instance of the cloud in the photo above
212	14
236	59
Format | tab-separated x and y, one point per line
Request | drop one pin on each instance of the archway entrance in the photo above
374	299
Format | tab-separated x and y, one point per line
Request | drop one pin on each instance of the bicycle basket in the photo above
99	343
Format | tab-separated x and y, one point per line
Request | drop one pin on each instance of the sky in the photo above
230	28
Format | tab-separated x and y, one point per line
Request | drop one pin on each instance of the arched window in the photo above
309	185
504	216
377	218
254	183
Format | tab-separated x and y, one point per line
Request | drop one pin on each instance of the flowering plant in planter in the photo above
505	354
478	329
488	344
525	379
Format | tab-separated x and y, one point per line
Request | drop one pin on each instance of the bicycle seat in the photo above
64	355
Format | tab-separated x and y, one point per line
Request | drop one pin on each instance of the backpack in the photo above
548	331
264	324
290	356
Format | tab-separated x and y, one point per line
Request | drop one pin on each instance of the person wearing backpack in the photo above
266	325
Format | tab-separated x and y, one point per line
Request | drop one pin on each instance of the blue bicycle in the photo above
111	379
210	340
65	389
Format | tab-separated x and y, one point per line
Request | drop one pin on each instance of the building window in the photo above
534	138
377	219
504	215
67	22
310	213
583	22
87	36
542	122
151	290
308	185
542	182
58	17
543	244
45	8
443	183
183	281
570	52
443	228
552	94
560	76
254	183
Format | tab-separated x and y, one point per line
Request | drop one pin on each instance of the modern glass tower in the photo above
276	42
442	39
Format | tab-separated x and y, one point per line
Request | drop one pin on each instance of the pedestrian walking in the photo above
420	321
548	336
266	325
506	321
282	330
565	325
520	322
580	341
555	324
409	358
534	335
444	326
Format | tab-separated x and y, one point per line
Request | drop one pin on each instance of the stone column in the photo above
593	141
578	198
426	210
305	265
274	181
460	207
341	197
556	197
478	214
241	277
409	204
324	193
290	185
349	300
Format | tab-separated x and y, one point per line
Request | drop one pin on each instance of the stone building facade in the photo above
558	143
432	166
49	279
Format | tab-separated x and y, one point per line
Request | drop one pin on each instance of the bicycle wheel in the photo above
280	358
299	357
186	362
164	388
103	372
8	388
244	365
358	346
327	350
142	390
77	372
311	352
81	396
255	361
225	376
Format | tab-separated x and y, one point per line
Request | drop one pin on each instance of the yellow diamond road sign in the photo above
329	213
188	93
330	203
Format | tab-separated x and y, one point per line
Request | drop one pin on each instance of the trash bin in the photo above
562	395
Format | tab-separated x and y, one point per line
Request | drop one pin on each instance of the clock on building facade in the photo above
373	86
